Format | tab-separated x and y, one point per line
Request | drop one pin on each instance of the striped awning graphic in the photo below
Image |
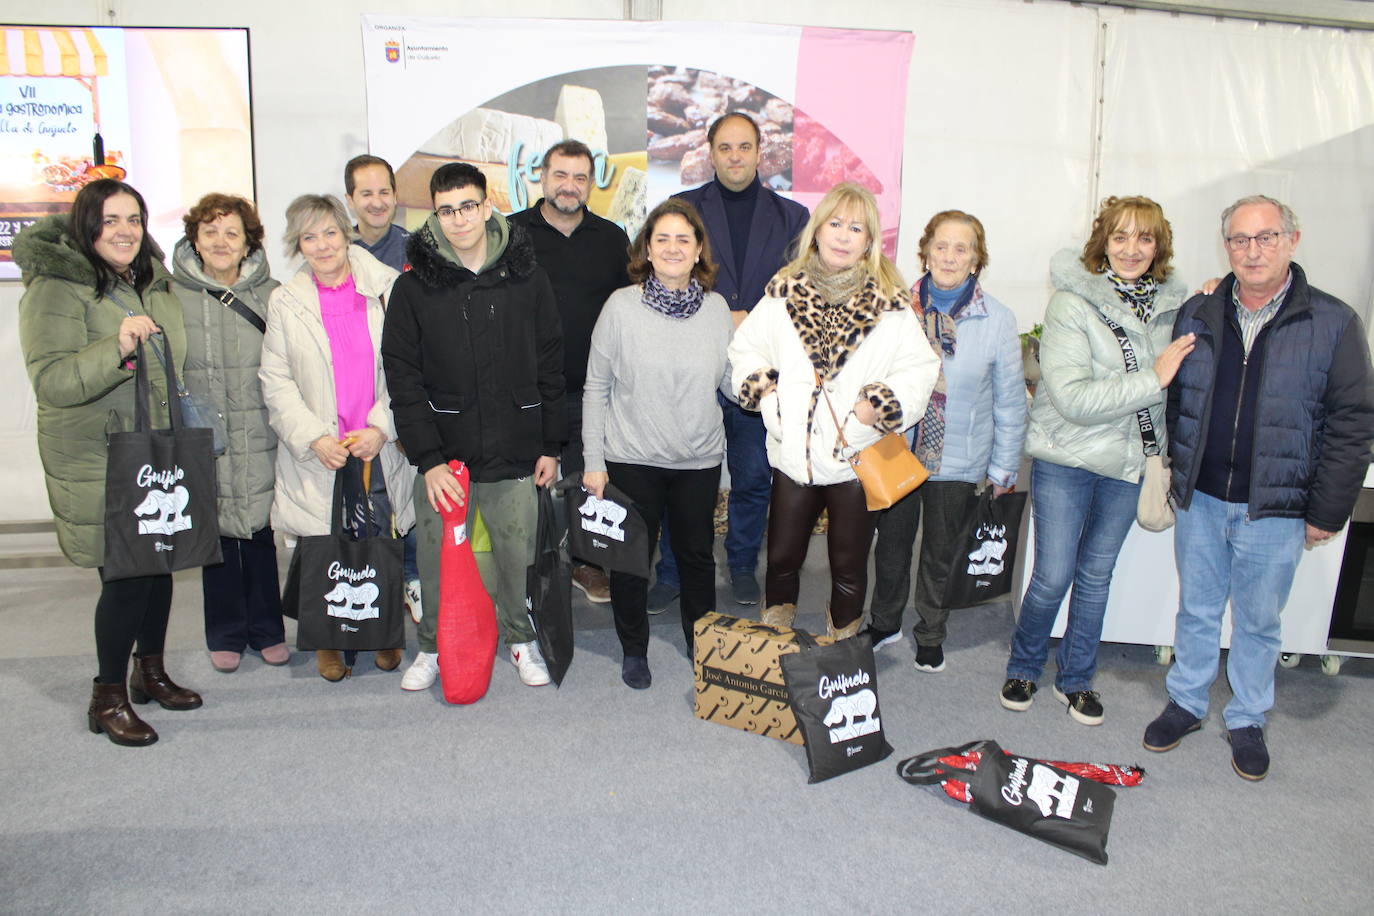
51	52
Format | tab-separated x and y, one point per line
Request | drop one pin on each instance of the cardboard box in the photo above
738	676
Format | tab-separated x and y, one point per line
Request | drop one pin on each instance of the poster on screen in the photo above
167	110
641	95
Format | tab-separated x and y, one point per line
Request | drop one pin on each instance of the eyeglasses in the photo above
1267	239
465	209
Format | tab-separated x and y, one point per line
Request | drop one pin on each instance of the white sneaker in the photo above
525	656
417	610
422	672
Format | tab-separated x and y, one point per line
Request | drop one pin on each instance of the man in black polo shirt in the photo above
585	257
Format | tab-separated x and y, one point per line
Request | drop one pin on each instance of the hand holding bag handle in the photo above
887	469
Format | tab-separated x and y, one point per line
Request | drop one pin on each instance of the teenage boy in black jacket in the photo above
473	353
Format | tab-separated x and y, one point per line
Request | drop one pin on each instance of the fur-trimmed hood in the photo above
46	249
1068	274
805	306
516	260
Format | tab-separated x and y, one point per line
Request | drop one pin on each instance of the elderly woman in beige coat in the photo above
323	382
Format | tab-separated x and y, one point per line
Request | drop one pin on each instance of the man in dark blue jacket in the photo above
750	228
1271	418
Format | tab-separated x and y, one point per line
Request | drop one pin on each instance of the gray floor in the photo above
286	793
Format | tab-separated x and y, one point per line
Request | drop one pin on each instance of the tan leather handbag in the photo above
887	469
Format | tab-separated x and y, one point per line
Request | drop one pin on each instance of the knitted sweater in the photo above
650	395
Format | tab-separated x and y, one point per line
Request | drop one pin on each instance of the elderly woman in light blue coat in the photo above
972	432
1105	359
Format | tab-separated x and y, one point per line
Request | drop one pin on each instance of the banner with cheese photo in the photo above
641	95
165	109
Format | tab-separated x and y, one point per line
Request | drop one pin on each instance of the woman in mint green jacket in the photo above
95	289
1086	438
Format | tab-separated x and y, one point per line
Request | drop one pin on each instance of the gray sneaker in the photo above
661	597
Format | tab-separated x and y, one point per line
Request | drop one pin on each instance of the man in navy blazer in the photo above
751	229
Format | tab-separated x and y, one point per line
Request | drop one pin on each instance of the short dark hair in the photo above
571	149
363	161
87	222
214	205
704	271
455	175
715	126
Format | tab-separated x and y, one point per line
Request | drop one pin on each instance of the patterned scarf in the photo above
675	303
1139	294
835	286
942	333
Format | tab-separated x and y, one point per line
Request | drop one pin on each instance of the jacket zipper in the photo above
1235	419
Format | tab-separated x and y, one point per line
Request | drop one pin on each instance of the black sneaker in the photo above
1084	705
1249	756
1018	694
1168	729
745	586
930	658
882	638
661	597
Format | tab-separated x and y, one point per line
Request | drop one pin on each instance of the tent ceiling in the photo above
1344	14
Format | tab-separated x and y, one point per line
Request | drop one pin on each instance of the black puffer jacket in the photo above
1309	410
474	362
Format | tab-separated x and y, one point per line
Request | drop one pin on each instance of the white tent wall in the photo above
1005	103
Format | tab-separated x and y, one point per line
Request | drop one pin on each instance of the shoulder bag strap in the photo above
230	301
839	430
1148	439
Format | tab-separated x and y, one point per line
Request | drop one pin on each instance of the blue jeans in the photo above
1221	554
751	484
1081	521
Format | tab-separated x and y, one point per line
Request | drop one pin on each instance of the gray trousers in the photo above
945	503
510	509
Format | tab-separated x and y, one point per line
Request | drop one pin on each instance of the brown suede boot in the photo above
844	632
388	659
150	682
779	615
111	713
331	664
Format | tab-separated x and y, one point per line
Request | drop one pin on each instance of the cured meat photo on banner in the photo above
642	96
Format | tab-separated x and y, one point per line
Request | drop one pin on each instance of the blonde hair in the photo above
858	202
308	209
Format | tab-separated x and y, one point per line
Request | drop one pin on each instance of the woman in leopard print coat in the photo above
835	325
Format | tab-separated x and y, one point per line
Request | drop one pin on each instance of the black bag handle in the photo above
336	507
143	389
927	770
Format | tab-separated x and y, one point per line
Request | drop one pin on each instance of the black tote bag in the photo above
161	510
607	532
1034	797
833	691
982	566
347	592
548	593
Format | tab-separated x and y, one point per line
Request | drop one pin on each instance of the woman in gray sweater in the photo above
651	423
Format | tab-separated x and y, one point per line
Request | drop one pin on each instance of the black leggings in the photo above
792	513
129	611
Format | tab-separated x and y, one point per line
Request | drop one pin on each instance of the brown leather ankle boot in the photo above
150	682
779	615
331	664
388	659
111	713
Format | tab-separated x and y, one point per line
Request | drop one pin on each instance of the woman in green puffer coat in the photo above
223	281
95	289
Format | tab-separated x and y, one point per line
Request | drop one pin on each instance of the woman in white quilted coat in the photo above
834	332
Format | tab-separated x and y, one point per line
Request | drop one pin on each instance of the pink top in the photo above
344	311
